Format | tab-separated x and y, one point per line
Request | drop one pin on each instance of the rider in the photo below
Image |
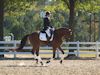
47	24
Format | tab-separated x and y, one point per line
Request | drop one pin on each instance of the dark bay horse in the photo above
36	42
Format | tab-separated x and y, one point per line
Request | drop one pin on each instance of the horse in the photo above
34	40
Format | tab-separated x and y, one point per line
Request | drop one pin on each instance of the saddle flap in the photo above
42	37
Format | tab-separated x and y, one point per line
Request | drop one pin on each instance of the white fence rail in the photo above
78	47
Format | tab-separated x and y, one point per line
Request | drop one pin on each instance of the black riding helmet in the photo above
47	13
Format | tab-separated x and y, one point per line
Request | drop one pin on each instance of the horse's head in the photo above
67	33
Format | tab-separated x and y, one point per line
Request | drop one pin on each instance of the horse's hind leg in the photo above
37	57
39	60
34	56
62	56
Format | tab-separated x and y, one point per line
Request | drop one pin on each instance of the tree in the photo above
71	22
80	5
71	6
1	21
24	16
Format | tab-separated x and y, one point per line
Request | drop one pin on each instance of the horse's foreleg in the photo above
54	50
62	56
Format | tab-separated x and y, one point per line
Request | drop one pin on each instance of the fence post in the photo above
97	50
58	53
78	48
14	47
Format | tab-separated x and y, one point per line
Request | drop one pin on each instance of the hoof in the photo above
48	62
42	63
61	62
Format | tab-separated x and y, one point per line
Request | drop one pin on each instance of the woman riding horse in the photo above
47	25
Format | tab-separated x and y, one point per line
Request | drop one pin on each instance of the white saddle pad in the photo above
42	37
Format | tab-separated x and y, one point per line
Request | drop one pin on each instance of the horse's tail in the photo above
22	43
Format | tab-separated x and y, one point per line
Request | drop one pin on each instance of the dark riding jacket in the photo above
46	22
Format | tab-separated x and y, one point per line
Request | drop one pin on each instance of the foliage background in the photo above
23	17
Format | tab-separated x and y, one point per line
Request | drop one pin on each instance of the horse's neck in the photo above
58	35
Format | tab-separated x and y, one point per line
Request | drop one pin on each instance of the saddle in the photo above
46	35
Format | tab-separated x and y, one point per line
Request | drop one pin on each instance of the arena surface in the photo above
69	67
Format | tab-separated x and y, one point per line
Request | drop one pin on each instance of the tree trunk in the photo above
71	25
1	22
90	28
99	28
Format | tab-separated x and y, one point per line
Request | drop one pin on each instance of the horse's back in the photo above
34	36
